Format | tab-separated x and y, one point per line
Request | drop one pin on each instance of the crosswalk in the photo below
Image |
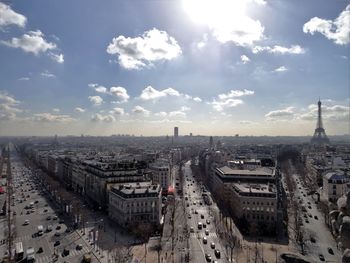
72	253
201	235
23	238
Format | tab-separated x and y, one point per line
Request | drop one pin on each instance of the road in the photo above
314	227
202	240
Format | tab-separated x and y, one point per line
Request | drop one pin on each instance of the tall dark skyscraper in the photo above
176	132
320	136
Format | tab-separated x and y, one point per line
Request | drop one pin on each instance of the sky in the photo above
210	67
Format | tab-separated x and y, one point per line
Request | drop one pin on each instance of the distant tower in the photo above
320	136
211	142
176	132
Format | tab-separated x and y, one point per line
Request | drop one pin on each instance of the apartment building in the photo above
335	184
135	203
161	173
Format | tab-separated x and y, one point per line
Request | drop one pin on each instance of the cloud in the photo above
120	92
96	100
227	100
294	49
59	58
280	114
245	122
337	30
139	52
79	110
47	74
56	110
105	118
31	42
8	106
98	88
117	111
245	59
280	69
140	110
150	93
24	78
48	117
177	114
329	112
197	99
161	114
235	93
10	17
7	99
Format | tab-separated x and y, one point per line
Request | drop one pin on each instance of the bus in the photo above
19	252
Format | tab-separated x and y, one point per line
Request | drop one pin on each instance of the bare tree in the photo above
122	254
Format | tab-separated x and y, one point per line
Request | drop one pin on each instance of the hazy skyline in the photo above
251	67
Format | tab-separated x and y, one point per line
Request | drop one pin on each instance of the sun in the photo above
214	12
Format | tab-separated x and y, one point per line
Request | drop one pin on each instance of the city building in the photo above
176	132
135	203
161	173
335	184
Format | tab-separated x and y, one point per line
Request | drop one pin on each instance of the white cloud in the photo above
140	52
140	110
31	42
105	118
280	114
329	112
294	49
10	17
120	92
24	78
245	59
79	110
177	114
185	108
150	93
227	100
59	58
245	122
96	100
197	99
48	117
117	111
220	105
235	93
47	74
56	110
161	114
280	69
101	89
8	107
337	30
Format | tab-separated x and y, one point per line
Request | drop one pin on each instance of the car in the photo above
196	212
79	247
57	243
61	221
65	252
67	230
307	221
206	232
189	216
49	228
202	216
330	251
212	245
36	201
54	218
208	257
48	218
188	205
208	221
200	203
312	239
316	217
58	227
309	207
26	222
192	230
194	203
204	226
45	210
217	253
57	234
46	205
205	240
321	257
40	250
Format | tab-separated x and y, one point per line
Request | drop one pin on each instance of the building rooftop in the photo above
259	171
255	188
138	189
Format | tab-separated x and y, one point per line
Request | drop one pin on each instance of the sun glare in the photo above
214	12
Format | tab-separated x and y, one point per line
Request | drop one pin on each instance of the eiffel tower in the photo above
320	136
